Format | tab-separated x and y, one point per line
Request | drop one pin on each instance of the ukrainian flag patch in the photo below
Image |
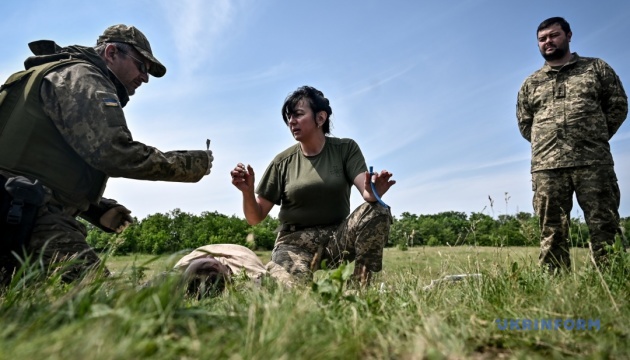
111	102
108	99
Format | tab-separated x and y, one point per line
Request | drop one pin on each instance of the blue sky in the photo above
427	88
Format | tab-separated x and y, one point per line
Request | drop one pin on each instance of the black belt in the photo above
294	228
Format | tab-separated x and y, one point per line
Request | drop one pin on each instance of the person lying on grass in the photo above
207	269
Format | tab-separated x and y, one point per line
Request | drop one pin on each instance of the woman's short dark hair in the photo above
552	21
316	99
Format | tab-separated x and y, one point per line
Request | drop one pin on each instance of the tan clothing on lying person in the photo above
236	257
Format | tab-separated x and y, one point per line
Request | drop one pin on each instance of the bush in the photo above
177	230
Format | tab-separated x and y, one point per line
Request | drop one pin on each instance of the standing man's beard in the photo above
558	54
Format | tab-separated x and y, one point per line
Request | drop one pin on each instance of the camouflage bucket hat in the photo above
132	36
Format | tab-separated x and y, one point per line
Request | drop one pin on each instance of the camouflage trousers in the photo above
597	193
361	237
57	243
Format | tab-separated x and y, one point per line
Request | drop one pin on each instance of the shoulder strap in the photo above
11	92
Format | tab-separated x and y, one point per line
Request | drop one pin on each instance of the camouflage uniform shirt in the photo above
570	114
85	107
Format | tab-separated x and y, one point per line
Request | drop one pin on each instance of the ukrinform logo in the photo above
548	324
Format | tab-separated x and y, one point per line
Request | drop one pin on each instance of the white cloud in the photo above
198	28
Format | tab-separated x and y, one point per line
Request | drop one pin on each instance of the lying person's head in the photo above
206	277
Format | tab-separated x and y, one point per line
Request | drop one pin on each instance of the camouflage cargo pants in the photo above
361	237
57	243
597	193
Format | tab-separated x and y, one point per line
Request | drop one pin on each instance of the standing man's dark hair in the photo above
569	110
63	133
564	25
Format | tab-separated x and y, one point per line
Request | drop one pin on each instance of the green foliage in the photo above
403	245
177	230
265	233
329	284
625	225
456	228
578	233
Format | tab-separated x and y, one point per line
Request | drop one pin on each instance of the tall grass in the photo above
118	318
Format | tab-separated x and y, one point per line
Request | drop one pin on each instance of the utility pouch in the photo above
19	200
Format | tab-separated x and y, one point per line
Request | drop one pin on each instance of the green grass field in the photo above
394	318
424	262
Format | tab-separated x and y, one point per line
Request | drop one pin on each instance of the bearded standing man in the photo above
569	110
63	133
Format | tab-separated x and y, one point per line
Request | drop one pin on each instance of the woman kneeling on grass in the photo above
311	181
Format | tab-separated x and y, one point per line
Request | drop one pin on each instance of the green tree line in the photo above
177	230
174	231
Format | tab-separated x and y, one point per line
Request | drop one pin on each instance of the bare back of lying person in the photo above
312	182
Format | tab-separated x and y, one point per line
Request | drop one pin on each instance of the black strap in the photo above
14	215
19	201
292	227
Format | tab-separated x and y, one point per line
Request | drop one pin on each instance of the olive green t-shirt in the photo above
313	190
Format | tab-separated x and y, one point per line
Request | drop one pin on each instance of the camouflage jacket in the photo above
84	101
570	114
